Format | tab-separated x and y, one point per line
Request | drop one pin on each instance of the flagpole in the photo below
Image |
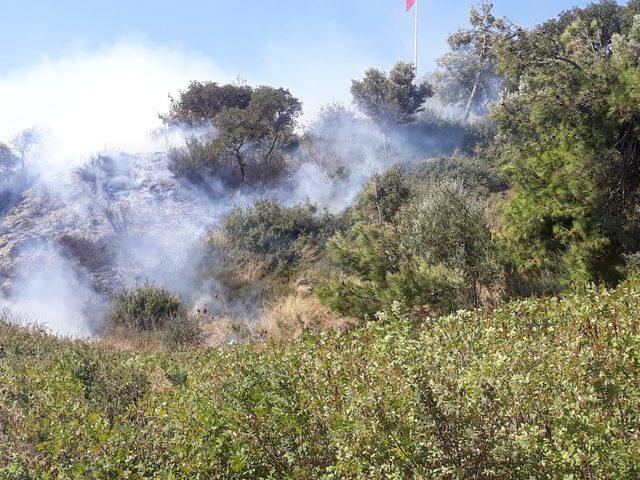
415	39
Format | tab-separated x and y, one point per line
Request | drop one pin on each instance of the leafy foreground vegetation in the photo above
542	388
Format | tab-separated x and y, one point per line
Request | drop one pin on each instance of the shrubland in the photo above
543	388
446	324
437	255
153	311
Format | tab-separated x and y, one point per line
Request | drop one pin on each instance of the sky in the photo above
95	74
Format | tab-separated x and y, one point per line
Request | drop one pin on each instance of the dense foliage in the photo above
390	99
146	308
252	129
434	252
569	133
535	389
278	237
445	366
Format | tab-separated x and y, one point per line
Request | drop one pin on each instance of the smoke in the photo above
87	102
50	290
95	223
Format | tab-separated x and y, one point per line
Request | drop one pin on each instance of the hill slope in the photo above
543	388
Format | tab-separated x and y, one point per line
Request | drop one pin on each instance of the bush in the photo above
195	161
448	226
544	388
474	174
280	237
182	330
109	385
438	257
384	196
145	308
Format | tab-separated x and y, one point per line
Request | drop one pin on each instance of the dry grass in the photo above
127	339
288	317
219	332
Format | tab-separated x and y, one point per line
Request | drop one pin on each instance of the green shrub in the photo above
182	330
144	308
438	257
195	160
279	237
109	384
384	195
544	388
475	174
448	226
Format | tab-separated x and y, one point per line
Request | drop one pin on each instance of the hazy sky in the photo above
98	72
248	36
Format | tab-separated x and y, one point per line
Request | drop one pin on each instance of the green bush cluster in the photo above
154	309
109	385
543	388
279	237
433	251
144	308
182	330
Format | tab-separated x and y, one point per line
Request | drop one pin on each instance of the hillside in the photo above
544	388
434	276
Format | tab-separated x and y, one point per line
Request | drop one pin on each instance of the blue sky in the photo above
95	75
241	35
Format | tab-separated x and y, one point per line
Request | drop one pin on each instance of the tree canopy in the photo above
202	101
390	99
253	126
570	138
467	76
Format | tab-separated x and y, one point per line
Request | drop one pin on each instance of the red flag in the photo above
410	3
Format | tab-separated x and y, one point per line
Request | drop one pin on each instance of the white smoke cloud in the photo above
87	102
51	292
109	99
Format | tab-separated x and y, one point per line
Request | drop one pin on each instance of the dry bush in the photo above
227	330
128	339
287	318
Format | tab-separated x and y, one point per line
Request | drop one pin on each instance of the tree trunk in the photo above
241	166
474	295
271	149
472	96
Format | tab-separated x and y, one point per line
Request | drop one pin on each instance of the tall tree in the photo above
202	101
572	145
391	99
467	76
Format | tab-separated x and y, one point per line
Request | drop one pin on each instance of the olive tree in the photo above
202	101
253	127
390	99
448	226
256	134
